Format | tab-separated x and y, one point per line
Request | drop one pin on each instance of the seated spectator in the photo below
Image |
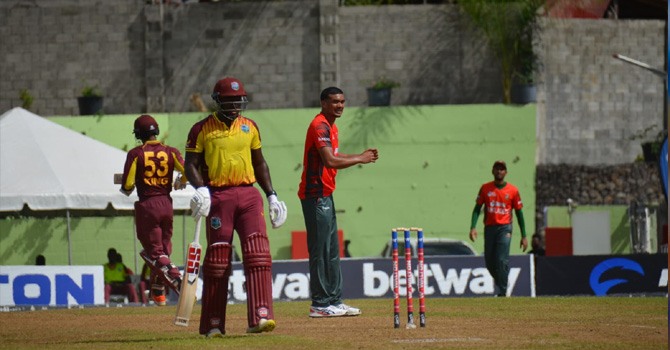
117	278
40	260
536	243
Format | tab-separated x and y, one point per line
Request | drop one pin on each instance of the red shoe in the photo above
158	294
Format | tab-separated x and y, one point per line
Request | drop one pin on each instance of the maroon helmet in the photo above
145	126
230	97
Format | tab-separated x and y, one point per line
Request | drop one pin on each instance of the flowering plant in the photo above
383	83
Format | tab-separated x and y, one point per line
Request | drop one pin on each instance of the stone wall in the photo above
148	58
49	47
591	106
596	185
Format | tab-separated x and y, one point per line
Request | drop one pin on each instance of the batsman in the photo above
150	167
223	161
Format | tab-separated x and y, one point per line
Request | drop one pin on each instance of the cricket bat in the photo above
189	283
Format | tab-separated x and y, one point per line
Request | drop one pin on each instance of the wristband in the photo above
271	193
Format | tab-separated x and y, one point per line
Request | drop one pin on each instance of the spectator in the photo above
40	260
117	279
537	244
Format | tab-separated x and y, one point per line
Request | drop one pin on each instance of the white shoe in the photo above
326	311
214	333
349	310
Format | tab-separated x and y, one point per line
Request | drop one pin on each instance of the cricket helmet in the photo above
145	126
230	97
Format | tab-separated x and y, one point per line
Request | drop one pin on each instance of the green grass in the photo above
452	323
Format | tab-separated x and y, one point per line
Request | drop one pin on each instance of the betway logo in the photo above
454	281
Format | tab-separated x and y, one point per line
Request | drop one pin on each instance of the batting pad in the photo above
216	272
258	272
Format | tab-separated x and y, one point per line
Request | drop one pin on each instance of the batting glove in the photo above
277	211
200	203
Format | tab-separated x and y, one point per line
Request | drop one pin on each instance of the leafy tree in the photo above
508	28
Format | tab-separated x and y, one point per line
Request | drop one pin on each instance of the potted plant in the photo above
90	101
523	86
651	146
379	93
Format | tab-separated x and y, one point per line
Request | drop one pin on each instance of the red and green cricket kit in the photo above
499	203
317	180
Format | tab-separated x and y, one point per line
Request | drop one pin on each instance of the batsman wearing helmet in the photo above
223	161
150	168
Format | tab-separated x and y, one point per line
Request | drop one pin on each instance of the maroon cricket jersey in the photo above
150	168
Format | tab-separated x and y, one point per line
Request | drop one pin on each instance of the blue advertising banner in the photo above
663	165
602	275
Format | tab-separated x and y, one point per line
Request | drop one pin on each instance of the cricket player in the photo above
499	198
321	160
150	168
223	161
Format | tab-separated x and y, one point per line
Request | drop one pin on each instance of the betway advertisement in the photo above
372	278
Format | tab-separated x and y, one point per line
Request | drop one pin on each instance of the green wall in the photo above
433	159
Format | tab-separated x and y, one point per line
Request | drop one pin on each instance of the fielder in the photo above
150	167
499	198
223	161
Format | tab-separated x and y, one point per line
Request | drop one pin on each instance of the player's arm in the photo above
341	161
182	179
522	227
475	216
192	168
261	171
128	178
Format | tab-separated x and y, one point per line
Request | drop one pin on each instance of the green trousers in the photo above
325	281
497	240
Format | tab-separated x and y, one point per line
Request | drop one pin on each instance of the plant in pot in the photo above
523	85
651	144
90	101
379	92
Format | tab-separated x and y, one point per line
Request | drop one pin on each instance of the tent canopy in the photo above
50	167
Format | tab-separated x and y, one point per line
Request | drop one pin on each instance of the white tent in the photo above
50	167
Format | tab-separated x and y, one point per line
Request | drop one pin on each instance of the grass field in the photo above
452	323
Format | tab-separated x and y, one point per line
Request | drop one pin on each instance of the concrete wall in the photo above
591	105
50	46
148	58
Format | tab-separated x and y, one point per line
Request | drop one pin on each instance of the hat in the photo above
501	163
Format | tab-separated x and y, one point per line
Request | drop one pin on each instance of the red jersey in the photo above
498	203
317	180
150	168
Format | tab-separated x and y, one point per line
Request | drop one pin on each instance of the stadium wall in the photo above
432	161
144	59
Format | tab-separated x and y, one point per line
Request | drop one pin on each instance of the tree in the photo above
508	28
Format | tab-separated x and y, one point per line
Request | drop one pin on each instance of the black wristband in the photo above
271	193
